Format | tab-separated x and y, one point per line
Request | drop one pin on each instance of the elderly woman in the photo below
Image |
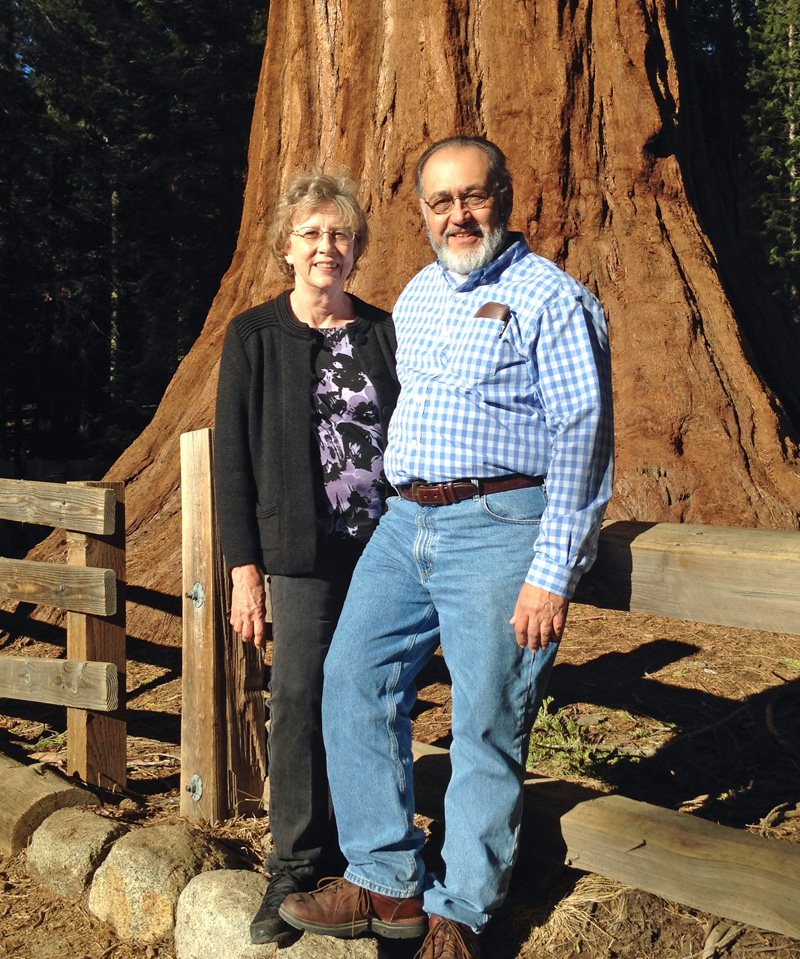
306	388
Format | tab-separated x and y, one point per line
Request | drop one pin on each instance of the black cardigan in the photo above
263	468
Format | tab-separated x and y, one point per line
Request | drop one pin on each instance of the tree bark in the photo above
586	101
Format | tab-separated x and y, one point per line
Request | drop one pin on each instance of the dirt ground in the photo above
701	719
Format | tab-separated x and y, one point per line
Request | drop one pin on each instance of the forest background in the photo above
123	144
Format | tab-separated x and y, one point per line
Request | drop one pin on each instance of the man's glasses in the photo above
341	238
474	200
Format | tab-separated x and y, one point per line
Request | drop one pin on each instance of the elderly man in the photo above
501	455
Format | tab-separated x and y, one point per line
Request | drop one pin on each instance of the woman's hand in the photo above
248	603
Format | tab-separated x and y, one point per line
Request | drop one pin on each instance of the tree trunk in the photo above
586	101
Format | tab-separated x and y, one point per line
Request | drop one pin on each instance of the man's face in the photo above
464	240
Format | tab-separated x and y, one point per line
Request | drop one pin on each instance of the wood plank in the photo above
80	508
30	794
244	706
97	741
54	584
726	872
746	578
62	682
203	717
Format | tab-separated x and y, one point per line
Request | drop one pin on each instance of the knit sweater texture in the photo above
264	455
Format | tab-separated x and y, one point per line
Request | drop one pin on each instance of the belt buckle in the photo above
415	485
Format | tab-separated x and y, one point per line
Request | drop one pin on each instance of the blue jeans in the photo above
431	575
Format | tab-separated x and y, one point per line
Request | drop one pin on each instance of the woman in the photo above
306	388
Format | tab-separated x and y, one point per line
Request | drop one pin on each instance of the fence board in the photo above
97	741
746	578
203	732
61	682
81	508
54	584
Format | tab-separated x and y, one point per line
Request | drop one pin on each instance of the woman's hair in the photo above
306	193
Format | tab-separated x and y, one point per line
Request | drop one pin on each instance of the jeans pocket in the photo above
521	506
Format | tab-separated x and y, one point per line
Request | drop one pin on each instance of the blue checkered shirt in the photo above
482	398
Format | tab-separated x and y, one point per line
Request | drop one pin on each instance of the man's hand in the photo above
248	603
539	617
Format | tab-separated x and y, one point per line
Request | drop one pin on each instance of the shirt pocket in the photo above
480	349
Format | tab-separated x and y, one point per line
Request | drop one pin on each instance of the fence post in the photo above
97	742
222	724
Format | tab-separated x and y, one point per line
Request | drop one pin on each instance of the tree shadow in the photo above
736	760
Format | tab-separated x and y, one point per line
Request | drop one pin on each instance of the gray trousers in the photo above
305	610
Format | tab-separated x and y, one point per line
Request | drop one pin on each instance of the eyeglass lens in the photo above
313	235
472	201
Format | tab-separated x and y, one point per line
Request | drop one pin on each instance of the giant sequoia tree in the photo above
588	100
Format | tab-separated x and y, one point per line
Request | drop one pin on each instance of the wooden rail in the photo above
86	509
91	587
61	682
79	589
746	578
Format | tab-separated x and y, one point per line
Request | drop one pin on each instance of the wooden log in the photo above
54	584
80	508
726	872
203	717
97	741
746	578
62	682
30	794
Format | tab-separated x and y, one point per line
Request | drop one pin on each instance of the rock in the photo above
213	919
214	913
68	847
137	887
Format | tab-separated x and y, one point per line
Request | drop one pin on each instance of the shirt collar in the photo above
516	250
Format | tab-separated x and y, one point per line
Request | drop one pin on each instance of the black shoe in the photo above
267	926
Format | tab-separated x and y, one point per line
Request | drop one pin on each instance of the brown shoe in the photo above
449	940
342	909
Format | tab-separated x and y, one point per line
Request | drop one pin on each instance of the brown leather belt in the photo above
443	494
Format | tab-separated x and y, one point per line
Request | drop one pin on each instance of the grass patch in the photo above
791	663
51	743
560	746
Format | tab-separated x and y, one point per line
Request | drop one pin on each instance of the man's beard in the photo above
469	260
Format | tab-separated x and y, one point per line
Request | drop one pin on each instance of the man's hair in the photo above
499	177
305	194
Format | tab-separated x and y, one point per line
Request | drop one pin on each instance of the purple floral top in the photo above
346	426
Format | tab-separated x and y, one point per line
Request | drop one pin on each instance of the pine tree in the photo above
125	127
775	135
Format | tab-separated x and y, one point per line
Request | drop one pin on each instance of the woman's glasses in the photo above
312	235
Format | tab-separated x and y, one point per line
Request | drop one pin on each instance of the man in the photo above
500	450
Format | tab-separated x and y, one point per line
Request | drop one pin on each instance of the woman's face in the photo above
324	263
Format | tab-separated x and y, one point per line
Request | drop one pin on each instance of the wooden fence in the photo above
735	577
223	751
90	682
